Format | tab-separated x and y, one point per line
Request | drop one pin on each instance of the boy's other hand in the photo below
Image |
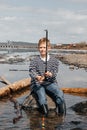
48	74
40	78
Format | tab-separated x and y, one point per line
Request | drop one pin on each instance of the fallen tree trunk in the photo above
75	90
22	84
13	88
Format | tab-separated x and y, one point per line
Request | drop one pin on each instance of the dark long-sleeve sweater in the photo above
37	67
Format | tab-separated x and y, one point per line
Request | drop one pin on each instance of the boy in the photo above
42	82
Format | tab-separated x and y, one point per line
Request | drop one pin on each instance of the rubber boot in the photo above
60	109
44	109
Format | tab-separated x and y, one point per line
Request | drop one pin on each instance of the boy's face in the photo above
42	49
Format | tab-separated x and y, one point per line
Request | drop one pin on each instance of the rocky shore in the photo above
73	59
79	60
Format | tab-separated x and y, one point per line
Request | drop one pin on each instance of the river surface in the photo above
32	121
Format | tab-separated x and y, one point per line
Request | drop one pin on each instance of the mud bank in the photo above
79	60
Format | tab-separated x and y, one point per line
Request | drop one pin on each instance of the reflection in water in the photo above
38	122
33	120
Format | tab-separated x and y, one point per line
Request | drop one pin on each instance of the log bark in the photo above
16	86
24	83
75	90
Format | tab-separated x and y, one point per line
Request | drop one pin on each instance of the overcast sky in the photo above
26	20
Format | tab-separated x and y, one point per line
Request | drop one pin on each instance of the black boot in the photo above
44	109
60	109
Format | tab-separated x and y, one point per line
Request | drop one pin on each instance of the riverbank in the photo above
78	60
73	58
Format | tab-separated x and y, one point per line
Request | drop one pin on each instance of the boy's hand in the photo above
48	74
40	78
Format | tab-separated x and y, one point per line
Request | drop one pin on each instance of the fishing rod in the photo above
46	49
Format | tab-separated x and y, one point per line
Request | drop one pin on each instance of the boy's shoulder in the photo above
54	59
35	58
53	56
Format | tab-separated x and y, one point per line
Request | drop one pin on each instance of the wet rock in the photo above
76	129
80	108
71	67
15	60
76	122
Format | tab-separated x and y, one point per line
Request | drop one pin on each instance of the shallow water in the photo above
32	121
72	78
66	77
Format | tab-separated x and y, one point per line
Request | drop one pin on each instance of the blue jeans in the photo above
51	90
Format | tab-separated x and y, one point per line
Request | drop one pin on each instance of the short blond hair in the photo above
43	40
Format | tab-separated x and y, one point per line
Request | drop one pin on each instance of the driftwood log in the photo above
24	83
75	90
13	88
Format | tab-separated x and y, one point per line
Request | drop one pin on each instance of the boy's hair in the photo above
44	40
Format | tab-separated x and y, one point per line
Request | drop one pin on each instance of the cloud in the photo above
27	23
79	1
8	18
75	1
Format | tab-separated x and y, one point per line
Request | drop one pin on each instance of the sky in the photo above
26	20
